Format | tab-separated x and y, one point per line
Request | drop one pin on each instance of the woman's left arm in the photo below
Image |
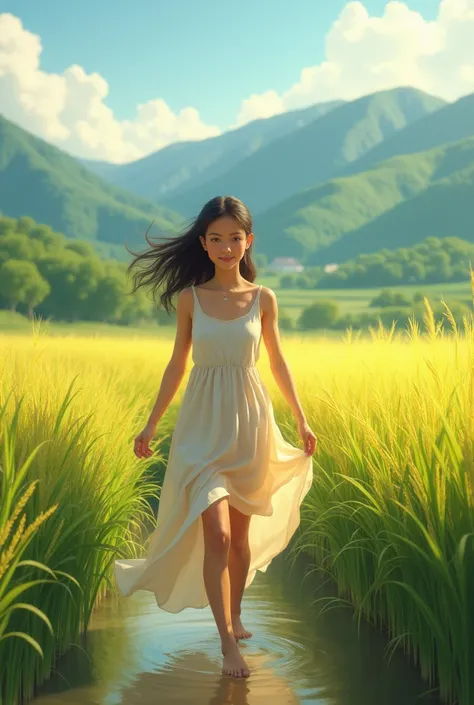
280	368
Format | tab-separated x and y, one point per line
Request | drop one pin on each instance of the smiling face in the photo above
226	241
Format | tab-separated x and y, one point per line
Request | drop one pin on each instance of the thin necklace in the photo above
226	298
226	293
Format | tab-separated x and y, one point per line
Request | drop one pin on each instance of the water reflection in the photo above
138	654
191	679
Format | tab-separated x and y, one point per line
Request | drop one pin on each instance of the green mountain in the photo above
43	182
451	123
313	153
186	165
396	203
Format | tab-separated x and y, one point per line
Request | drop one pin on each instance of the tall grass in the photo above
390	514
67	438
13	543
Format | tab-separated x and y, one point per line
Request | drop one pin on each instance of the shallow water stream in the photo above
138	654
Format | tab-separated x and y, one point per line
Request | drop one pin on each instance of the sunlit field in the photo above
390	515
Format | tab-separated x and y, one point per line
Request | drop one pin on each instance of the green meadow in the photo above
291	302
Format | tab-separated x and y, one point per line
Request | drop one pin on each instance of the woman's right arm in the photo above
173	373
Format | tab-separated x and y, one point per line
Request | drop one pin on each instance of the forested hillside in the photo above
182	166
396	203
313	153
51	187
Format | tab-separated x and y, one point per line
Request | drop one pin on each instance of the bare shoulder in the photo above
186	294
185	299
268	300
267	295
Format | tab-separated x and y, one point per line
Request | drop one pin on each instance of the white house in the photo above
285	264
329	268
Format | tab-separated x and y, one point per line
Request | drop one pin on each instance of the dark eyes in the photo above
235	238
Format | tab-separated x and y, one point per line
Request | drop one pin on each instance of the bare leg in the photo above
216	526
239	561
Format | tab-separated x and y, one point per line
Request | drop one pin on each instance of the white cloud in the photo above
365	54
69	111
261	106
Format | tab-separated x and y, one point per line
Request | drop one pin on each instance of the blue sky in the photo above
210	55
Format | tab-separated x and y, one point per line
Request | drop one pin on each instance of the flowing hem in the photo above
130	573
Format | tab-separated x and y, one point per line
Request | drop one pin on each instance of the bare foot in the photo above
238	628
233	663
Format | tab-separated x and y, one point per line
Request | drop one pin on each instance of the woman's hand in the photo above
308	437
141	446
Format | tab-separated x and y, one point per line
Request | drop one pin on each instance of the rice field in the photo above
390	515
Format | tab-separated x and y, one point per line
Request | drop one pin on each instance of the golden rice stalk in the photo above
5	530
7	556
449	315
433	328
412	331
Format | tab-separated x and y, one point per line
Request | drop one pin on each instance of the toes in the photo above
236	672
243	635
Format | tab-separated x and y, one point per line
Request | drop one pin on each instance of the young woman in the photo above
233	486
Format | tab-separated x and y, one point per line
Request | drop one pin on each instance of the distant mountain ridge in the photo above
41	181
182	166
396	203
451	123
381	192
314	153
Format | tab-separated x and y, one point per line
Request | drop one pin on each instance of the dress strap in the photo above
257	299
197	305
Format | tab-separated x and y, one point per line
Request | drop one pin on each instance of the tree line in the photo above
433	261
44	272
59	278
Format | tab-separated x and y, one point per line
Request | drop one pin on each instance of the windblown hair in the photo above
182	261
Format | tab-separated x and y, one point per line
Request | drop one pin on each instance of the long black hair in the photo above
182	261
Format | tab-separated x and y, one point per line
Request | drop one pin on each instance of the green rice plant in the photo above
15	581
10	561
89	507
390	516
